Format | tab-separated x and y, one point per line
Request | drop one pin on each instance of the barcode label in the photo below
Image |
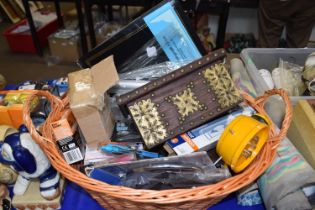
73	156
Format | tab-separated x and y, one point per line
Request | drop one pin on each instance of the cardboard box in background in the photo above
90	103
65	45
302	129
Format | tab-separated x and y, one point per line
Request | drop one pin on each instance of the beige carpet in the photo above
20	67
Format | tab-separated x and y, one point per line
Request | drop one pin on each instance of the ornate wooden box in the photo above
181	100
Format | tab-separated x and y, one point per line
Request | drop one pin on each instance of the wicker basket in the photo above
117	197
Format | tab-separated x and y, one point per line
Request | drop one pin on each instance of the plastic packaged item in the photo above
125	128
143	57
132	145
291	78
126	131
125	86
136	78
267	77
162	173
123	149
95	157
161	34
154	71
117	114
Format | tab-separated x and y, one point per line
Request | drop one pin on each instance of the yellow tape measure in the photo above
242	140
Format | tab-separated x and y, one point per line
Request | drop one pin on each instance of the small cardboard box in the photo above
68	139
302	129
65	45
90	103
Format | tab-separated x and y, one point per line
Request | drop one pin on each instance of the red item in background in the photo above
23	42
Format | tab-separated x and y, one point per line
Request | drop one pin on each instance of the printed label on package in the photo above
171	34
70	150
67	143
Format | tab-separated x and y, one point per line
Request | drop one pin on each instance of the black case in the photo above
131	43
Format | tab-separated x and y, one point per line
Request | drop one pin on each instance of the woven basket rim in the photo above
171	196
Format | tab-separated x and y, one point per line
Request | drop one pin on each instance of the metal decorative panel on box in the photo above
181	100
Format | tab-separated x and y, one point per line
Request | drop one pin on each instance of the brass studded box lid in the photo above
181	100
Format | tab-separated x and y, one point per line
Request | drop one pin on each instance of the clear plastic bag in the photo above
136	78
291	78
162	173
125	86
154	71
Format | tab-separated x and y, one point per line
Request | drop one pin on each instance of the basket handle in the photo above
56	104
259	103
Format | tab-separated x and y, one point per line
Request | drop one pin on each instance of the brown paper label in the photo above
61	129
